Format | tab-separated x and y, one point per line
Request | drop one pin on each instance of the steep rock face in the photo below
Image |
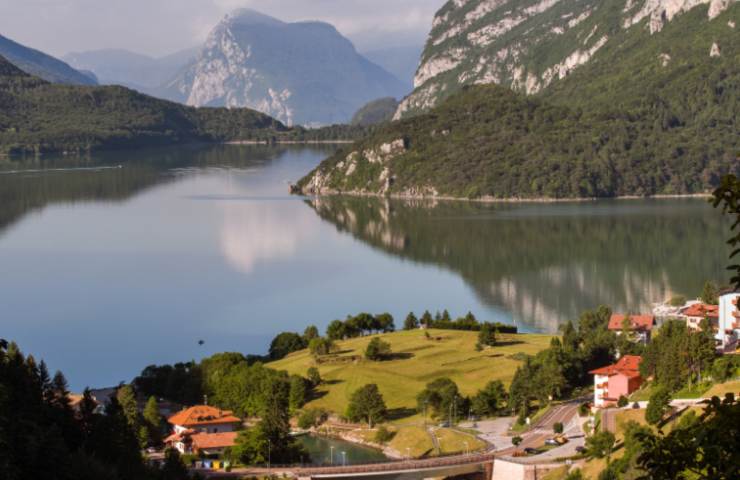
527	44
42	65
299	73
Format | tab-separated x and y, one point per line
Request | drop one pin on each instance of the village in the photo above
558	436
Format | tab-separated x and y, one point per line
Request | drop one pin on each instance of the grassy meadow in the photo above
416	361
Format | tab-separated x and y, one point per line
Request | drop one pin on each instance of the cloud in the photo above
159	27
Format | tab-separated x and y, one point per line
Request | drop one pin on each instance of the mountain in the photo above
41	65
400	61
302	73
653	112
528	44
375	112
129	69
37	116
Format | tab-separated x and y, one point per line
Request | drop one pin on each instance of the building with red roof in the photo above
640	326
203	428
614	381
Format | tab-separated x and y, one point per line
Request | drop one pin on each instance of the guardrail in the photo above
430	463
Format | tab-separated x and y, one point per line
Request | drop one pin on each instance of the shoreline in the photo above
288	142
493	200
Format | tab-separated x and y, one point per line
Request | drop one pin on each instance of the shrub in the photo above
312	418
677	301
558	428
516	441
622	402
383	435
584	410
377	349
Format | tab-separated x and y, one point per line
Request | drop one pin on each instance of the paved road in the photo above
535	437
609	420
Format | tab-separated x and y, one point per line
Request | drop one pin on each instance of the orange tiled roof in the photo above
702	310
628	365
202	441
637	322
203	415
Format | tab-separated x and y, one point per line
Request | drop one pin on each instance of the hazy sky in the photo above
158	27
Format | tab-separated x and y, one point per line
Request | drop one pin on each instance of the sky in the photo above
161	27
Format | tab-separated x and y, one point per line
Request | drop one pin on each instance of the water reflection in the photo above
259	232
546	263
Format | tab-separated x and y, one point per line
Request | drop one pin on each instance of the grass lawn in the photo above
453	441
517	428
719	390
415	439
419	360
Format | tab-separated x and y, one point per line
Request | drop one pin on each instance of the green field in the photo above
419	360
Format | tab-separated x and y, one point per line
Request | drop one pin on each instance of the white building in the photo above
729	321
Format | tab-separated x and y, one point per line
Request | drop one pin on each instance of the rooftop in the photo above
637	322
203	415
701	310
204	441
628	365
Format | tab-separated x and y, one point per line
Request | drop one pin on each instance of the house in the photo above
640	326
728	329
696	312
614	381
203	428
190	441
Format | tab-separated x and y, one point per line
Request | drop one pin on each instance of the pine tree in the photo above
153	421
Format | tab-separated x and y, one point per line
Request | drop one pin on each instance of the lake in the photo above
332	451
120	260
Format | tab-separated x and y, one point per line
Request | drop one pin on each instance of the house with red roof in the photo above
614	381
696	312
203	429
639	326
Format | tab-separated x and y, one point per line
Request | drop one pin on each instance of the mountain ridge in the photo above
303	73
38	63
653	114
527	44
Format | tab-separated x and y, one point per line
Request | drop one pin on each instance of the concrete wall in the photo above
511	470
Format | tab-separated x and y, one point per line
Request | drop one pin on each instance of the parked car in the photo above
444	424
552	442
580	449
531	451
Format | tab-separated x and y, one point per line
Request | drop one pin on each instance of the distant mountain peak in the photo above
248	16
303	73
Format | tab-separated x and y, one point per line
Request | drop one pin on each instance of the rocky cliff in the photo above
300	73
655	111
527	44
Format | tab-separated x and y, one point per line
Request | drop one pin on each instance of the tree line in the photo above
42	436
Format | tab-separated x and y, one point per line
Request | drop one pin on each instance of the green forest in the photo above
40	117
622	125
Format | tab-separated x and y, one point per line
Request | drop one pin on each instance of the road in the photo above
542	429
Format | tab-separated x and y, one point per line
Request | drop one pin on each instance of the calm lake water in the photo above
328	451
127	259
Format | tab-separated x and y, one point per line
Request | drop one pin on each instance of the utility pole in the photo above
269	455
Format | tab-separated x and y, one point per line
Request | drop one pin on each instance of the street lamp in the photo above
344	458
331	455
466	447
408	453
425	414
269	454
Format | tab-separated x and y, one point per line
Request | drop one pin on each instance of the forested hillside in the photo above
655	114
37	116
